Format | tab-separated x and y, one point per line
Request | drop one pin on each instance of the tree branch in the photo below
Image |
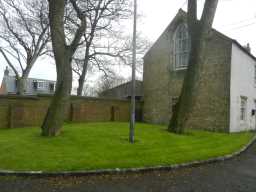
9	63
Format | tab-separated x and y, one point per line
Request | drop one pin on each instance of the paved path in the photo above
237	175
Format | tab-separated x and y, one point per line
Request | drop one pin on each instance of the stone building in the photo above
228	101
123	91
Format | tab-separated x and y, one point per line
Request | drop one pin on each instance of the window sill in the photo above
180	69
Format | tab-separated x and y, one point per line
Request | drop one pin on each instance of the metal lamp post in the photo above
132	117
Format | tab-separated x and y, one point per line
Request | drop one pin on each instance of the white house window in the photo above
243	108
40	84
181	47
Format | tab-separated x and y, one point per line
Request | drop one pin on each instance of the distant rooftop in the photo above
123	91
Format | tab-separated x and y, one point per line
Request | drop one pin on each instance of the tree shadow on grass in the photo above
186	133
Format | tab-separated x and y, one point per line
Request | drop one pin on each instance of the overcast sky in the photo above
235	18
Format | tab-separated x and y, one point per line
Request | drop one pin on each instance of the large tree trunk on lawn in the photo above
63	54
56	113
200	33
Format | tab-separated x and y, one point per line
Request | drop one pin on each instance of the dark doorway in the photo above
112	113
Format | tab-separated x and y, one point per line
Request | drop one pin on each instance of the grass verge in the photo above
105	145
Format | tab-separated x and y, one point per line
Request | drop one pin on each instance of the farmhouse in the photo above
228	81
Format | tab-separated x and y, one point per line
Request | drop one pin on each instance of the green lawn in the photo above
105	145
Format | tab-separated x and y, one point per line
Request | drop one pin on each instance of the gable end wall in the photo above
162	83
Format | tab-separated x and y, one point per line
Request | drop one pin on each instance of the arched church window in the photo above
181	47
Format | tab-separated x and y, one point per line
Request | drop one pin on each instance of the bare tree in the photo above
106	82
64	46
24	35
105	57
142	46
120	48
101	17
200	33
89	91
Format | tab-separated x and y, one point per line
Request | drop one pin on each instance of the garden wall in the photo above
24	111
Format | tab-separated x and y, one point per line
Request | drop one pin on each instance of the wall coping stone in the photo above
74	97
32	97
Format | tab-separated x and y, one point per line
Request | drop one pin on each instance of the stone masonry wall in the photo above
30	111
162	84
212	109
157	79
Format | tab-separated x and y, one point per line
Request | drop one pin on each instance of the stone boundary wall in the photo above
25	111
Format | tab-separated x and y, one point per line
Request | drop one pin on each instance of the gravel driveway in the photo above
236	175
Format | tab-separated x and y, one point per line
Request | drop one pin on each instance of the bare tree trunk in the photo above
81	82
20	85
55	116
63	54
80	86
22	81
200	33
56	112
84	72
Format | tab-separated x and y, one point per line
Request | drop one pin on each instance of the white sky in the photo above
235	18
